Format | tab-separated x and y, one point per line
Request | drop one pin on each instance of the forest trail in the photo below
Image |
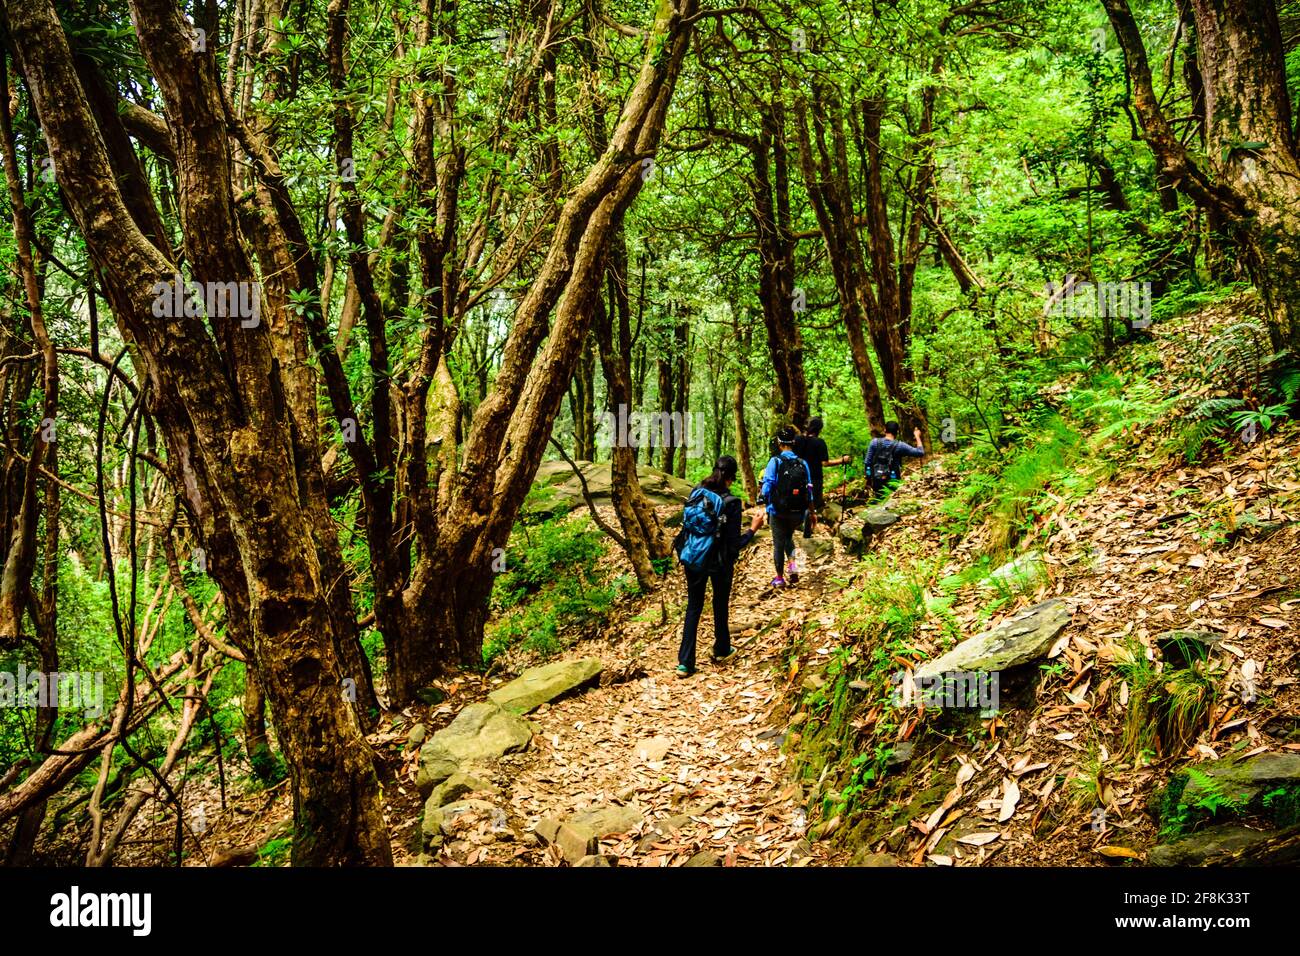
683	770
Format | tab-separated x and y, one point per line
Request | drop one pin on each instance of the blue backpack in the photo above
702	523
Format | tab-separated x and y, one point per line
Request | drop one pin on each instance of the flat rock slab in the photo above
1210	846
1245	781
878	519
1020	640
480	732
1028	569
605	821
541	685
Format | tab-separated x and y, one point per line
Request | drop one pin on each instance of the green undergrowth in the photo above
846	741
550	588
1193	800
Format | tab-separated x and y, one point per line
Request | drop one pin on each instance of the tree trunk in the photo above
828	189
231	391
1251	177
682	401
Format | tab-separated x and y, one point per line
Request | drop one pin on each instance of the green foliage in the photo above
551	584
1142	679
1180	816
1006	494
274	852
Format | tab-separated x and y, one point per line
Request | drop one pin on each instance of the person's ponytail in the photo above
723	474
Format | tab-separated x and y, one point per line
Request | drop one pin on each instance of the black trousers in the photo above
783	529
696	582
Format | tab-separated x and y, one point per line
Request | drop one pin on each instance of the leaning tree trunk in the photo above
623	464
447	599
1250	180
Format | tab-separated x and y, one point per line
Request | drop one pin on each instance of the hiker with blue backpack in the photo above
707	546
787	488
884	461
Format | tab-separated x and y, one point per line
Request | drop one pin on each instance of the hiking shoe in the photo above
723	658
778	582
790	573
684	671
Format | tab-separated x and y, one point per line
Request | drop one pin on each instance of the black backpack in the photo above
884	463
790	491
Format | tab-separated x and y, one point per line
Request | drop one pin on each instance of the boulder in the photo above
1181	647
1022	639
818	547
878	519
546	829
830	513
480	732
556	486
541	685
593	860
605	821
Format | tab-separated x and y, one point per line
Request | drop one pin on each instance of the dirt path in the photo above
699	758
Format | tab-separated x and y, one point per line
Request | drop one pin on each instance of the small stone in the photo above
606	821
592	860
704	858
576	841
416	736
546	829
901	755
456	786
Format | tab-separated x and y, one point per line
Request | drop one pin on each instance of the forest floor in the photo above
698	759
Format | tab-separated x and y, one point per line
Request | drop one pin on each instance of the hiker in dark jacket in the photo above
722	563
884	461
811	447
786	520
